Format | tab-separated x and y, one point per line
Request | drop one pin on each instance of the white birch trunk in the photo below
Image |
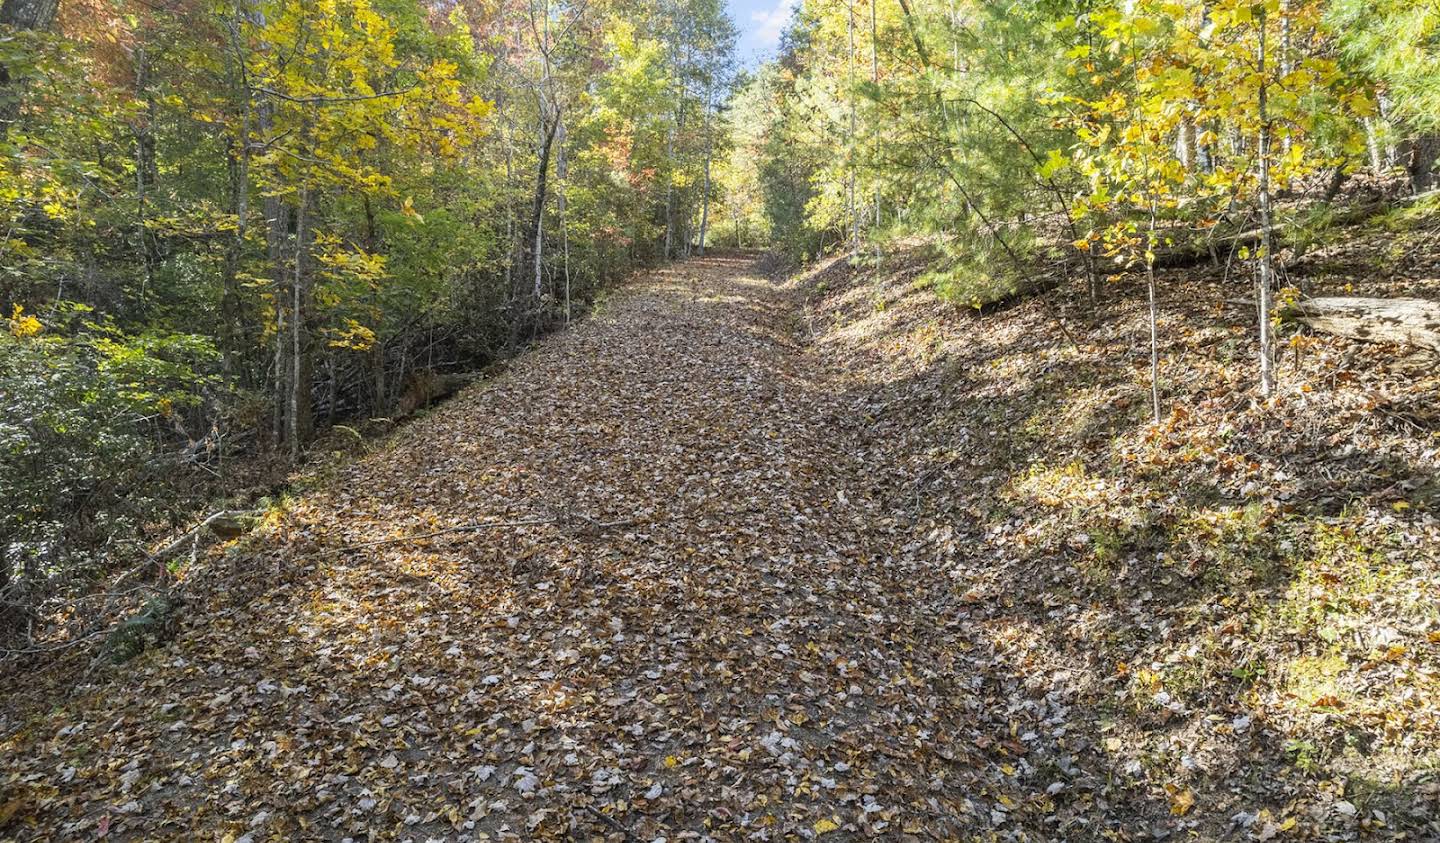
1267	266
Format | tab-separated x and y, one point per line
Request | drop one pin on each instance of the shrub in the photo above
82	467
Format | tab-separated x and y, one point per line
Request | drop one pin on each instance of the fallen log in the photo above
1413	322
1192	247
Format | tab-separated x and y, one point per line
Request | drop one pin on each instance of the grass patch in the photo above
1408	217
1233	546
1054	486
1337	586
1317	681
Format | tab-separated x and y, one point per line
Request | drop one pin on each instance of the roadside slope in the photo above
1243	604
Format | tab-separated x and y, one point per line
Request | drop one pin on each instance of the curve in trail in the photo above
740	658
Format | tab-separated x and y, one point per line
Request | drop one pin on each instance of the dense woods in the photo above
228	227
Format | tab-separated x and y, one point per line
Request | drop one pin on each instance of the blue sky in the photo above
760	23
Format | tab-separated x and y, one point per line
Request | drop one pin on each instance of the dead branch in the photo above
226	522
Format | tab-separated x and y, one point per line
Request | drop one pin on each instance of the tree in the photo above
1395	42
19	16
1132	127
333	92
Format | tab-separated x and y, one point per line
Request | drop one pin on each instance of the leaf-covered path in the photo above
744	656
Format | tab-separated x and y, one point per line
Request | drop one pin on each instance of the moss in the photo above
1317	682
154	624
1342	575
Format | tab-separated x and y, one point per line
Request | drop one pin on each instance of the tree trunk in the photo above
1372	145
146	168
9	615
302	364
705	187
1154	314
1186	145
677	126
1420	155
875	80
238	165
537	249
277	236
1382	104
510	246
705	197
375	355
562	175
525	301
27	15
1267	258
854	211
669	192
1285	59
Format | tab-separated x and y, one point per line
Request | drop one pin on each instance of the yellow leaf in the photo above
826	825
1182	799
671	761
21	325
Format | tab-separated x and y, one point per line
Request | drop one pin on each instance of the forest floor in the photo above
746	559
